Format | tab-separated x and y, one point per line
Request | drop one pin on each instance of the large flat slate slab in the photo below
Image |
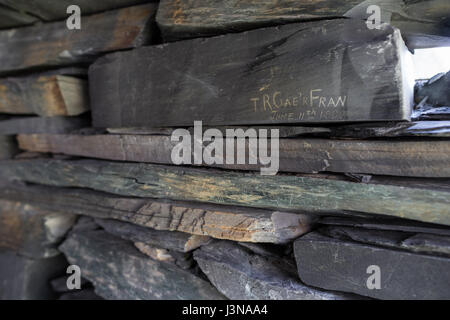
119	271
421	21
53	44
199	219
333	264
323	71
425	158
314	194
242	275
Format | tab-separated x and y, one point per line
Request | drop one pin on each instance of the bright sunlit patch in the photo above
429	62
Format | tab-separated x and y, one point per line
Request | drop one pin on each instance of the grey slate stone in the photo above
334	264
119	271
436	90
420	243
23	278
172	240
240	274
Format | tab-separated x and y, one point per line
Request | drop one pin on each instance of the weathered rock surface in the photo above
180	259
10	18
240	274
172	240
31	231
23	278
333	264
424	158
436	91
119	271
312	72
47	96
222	222
8	147
50	10
423	22
420	243
394	197
54	45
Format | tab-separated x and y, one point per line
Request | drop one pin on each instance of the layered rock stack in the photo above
358	206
